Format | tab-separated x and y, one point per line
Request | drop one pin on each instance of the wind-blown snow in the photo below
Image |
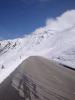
55	41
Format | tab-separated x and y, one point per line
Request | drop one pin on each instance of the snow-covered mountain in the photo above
55	41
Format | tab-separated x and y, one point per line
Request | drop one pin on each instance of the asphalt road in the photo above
39	79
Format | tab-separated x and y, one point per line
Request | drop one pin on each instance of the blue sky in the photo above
19	17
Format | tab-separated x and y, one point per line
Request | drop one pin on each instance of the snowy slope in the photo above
55	41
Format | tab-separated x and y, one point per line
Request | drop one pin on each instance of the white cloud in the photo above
65	21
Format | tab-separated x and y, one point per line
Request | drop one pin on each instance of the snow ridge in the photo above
54	41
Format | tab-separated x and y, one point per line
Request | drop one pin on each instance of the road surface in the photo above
39	79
